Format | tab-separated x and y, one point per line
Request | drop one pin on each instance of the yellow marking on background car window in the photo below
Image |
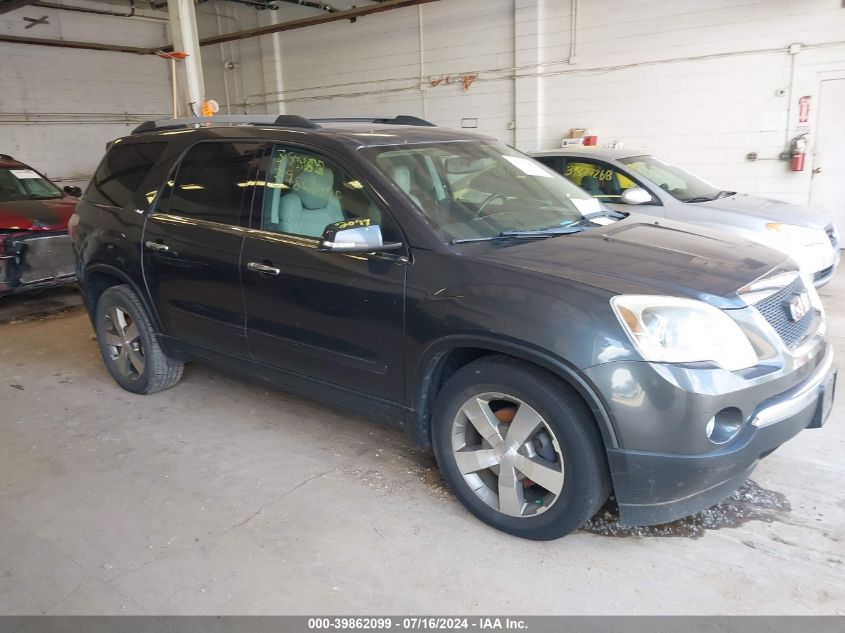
624	181
576	172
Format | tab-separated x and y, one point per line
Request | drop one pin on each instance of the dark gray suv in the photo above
548	350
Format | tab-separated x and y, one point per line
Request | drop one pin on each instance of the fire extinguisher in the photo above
798	152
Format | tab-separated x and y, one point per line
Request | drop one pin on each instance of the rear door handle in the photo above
156	246
263	268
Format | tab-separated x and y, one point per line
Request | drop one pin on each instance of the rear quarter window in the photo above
121	173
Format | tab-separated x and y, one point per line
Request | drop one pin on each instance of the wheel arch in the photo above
100	277
442	358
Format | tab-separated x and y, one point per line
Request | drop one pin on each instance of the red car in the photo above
35	250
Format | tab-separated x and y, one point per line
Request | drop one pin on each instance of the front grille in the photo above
775	309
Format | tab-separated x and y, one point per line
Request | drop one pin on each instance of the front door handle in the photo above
263	268
157	246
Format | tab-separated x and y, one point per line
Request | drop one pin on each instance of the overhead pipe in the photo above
270	4
258	4
322	6
67	7
348	14
92	46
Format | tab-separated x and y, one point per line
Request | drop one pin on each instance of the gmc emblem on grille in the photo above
799	306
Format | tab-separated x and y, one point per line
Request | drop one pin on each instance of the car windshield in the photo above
479	190
677	182
25	184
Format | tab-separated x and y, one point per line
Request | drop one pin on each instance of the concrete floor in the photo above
221	497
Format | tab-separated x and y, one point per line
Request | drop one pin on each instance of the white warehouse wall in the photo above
59	106
694	81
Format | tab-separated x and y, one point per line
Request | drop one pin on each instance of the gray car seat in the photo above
590	184
402	177
311	206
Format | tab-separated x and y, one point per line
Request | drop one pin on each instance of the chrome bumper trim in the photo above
800	400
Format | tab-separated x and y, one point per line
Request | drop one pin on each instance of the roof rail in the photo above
282	120
401	119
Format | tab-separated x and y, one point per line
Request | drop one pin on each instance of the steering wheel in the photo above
487	201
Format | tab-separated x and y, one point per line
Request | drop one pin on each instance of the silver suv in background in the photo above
621	178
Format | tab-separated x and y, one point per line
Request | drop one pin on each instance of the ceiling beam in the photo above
11	5
93	46
349	14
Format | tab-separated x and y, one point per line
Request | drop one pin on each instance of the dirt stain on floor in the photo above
751	502
37	305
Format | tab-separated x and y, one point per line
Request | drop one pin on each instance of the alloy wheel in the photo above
123	343
507	454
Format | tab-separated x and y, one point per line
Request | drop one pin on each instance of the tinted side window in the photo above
550	161
211	183
121	173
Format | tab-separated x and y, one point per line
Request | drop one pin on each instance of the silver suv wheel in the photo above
123	343
508	455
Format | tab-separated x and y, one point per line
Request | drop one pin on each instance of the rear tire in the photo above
129	344
520	448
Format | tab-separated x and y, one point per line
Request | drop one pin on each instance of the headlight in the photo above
676	330
803	235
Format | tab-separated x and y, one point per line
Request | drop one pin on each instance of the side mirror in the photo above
73	191
355	236
635	195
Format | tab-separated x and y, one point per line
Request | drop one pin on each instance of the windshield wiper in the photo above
700	199
721	194
552	231
524	234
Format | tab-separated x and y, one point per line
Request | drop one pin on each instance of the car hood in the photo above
641	255
767	209
37	215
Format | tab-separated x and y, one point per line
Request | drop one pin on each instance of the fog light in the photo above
724	426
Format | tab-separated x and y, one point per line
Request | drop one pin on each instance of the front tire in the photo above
129	344
520	448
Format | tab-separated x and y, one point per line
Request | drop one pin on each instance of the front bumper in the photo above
34	261
826	269
685	476
822	277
